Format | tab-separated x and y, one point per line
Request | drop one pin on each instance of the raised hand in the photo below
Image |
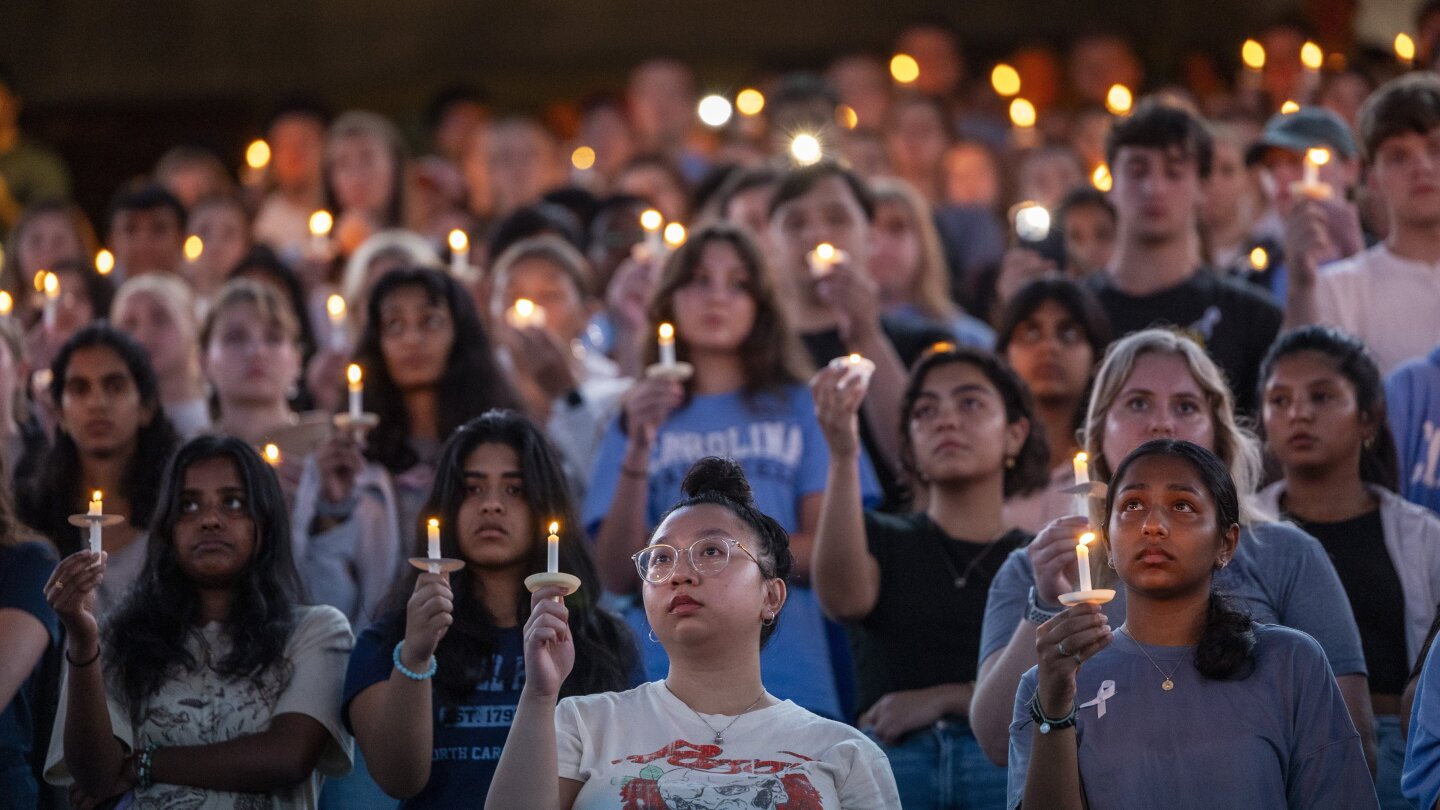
71	594
837	403
1061	646
1052	555
549	647
428	615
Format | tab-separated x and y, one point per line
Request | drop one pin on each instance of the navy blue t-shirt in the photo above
24	569
468	737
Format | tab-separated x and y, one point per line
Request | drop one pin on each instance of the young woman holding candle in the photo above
111	436
212	686
158	310
498	486
710	733
1053	333
222	225
364	177
45	234
746	401
912	587
1161	384
1095	721
1323	405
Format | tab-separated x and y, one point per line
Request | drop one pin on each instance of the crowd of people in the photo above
902	447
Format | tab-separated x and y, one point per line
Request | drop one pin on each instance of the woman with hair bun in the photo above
1102	720
714	576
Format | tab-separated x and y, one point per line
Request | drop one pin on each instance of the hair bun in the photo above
721	476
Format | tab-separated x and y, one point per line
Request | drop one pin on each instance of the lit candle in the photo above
674	236
1006	80
257	157
1252	56
1101	178
1289	106
51	285
1119	99
806	149
320	224
97	508
104	262
1259	259
552	548
1312	186
335	308
1032	222
525	313
459	253
1082	478
194	247
271	454
749	101
652	222
1312	58
1082	559
7	304
1022	118
857	370
1405	49
667	345
823	258
432	539
357	390
904	68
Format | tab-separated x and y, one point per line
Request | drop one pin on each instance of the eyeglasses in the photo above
709	556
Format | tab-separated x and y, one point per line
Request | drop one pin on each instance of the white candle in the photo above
97	508
335	308
652	221
552	548
357	391
432	539
459	253
667	345
51	284
257	157
823	258
1082	478
1082	559
857	370
320	224
1312	186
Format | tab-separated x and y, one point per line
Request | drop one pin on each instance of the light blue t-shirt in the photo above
1412	392
1280	575
1280	737
776	439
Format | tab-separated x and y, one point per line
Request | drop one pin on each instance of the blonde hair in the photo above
177	298
1235	444
273	310
547	247
931	287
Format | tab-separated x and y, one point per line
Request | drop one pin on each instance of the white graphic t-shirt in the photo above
646	750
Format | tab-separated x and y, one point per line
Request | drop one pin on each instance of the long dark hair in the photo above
1031	470
771	355
1226	650
472	384
146	636
56	491
604	650
721	482
1379	460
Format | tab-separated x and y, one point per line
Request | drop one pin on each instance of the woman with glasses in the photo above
709	734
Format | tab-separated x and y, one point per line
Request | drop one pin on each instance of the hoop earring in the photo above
1110	561
768	621
651	636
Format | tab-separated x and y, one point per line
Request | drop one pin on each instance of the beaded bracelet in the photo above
414	676
144	777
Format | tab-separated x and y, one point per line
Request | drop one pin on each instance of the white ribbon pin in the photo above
1107	691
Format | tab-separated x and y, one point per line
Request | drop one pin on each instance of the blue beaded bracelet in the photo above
414	676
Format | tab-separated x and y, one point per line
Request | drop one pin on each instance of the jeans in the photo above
1389	762
942	768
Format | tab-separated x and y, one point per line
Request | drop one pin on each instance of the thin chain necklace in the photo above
1166	684
720	733
958	578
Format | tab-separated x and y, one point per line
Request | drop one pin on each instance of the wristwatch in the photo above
1037	613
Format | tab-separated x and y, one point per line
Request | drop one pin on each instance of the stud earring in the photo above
1009	462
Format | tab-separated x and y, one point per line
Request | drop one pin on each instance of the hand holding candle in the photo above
552	549
823	258
525	313
1312	186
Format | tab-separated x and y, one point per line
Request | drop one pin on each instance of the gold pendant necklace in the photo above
1166	684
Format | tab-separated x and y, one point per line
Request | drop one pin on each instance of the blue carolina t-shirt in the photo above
24	569
1413	395
468	737
777	441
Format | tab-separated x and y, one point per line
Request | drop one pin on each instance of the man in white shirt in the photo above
1388	295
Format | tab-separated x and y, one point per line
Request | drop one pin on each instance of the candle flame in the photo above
1005	79
1319	156
257	154
104	262
674	234
715	111
353	374
433	523
321	222
1311	56
846	115
651	220
903	68
805	149
1119	99
554	527
1022	113
1087	538
40	280
1404	48
98	496
335	305
667	332
51	283
1101	178
750	101
825	252
7	303
272	454
1252	53
582	158
1082	456
194	247
855	358
459	242
1289	106
524	307
942	346
1259	258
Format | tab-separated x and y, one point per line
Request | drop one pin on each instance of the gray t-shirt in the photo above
1280	737
1280	575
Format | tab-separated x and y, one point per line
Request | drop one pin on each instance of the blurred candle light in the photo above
1289	106
1312	186
1005	79
1252	54
459	253
1119	100
51	285
805	149
749	101
354	379
652	222
847	117
7	304
667	345
194	247
257	154
1022	116
104	262
715	111
271	454
1312	56
1405	49
320	224
525	313
583	158
823	258
904	69
674	235
335	309
1259	259
1101	178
